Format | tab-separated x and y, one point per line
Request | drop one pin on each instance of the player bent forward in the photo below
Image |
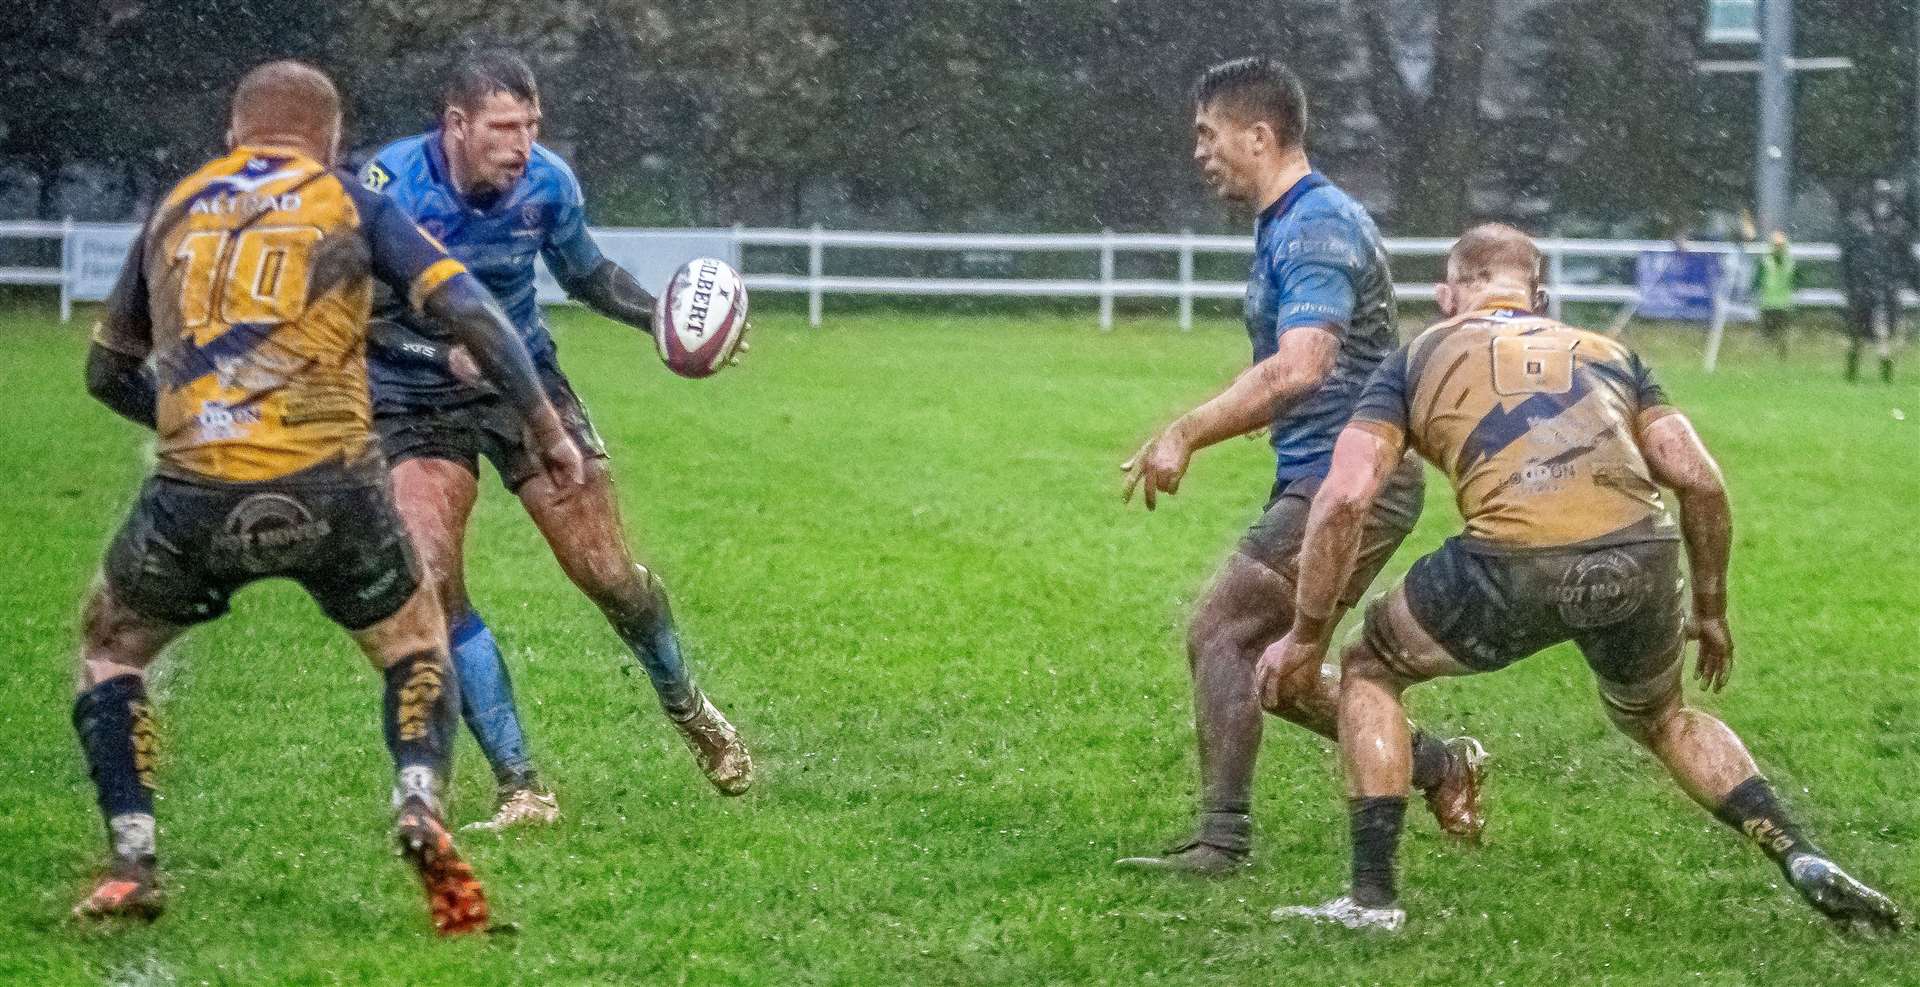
1554	439
237	333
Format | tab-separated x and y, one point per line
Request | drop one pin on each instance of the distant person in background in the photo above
1876	260
1773	285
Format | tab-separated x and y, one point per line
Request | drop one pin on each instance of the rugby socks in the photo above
655	642
115	724
1376	826
1755	811
486	702
418	718
1430	760
1228	828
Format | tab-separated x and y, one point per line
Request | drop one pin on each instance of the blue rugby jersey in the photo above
544	213
1319	261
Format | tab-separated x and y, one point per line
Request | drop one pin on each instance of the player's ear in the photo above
1445	297
1261	136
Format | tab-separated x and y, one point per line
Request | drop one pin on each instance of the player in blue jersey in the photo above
1320	314
497	199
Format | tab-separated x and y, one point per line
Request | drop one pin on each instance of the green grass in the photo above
901	563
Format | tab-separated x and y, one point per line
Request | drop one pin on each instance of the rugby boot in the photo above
1219	849
1455	800
128	890
1837	895
717	748
520	805
1345	911
455	899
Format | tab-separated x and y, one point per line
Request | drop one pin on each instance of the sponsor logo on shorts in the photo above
267	531
1603	588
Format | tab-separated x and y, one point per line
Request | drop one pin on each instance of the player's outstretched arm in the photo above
609	290
1681	463
468	311
1295	370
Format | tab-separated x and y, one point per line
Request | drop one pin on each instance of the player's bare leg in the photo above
115	724
410	650
1249	607
1713	767
582	526
1377	758
435	497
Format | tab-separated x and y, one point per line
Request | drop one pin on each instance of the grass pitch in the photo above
901	563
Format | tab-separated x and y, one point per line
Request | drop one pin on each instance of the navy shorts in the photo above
186	547
1274	541
474	427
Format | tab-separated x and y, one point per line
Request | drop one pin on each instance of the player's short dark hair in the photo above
1492	251
486	71
1257	89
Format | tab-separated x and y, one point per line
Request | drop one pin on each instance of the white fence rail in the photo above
90	255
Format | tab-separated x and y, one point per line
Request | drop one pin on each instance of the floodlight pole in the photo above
1774	162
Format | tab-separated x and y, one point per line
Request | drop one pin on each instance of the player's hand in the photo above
1280	662
1157	467
560	459
741	350
1715	661
462	365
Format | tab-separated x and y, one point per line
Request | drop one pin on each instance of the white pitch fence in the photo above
1578	270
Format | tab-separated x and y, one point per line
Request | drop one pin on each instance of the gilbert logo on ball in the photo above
701	317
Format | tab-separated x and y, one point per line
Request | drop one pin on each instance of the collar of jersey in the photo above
1307	183
1512	307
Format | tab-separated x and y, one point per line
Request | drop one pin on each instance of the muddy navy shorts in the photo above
1274	541
186	547
1624	606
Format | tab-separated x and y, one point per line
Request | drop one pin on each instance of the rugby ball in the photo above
699	320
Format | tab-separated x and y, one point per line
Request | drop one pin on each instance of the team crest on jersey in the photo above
376	178
530	215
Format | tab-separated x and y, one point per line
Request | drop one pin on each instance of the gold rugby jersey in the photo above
249	291
1535	423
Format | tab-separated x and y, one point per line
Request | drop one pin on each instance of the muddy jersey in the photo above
1319	262
543	215
1534	422
249	291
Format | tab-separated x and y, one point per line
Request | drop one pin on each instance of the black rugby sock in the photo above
115	724
419	716
1755	811
1430	758
1376	825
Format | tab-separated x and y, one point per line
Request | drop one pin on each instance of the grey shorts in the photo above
483	426
1274	540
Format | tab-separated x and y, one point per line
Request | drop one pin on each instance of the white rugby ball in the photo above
699	320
